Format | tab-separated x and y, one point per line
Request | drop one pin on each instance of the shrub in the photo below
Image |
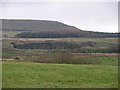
64	58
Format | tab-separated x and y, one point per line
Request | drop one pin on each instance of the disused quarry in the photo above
83	47
49	44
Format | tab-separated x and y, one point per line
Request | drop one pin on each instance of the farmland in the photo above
59	68
36	75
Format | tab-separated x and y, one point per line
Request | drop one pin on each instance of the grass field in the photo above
36	75
89	70
10	33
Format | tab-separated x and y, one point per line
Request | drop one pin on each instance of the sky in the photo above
90	16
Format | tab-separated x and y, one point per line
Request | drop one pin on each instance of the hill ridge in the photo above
35	25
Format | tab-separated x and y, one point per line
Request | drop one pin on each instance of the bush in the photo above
64	58
69	58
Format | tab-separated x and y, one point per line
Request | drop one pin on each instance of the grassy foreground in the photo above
37	75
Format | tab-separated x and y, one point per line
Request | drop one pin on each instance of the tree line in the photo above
64	34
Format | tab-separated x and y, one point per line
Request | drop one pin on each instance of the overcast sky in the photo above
92	16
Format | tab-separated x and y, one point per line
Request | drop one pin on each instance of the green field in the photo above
36	75
44	68
10	33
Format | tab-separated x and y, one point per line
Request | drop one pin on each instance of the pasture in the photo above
56	68
10	33
36	75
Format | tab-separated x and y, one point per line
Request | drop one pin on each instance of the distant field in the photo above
36	75
103	42
10	33
25	54
10	51
100	40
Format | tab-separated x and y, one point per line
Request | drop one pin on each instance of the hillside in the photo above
47	29
34	25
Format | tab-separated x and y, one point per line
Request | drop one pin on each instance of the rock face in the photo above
47	45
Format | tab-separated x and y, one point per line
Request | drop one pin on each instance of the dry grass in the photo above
30	39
